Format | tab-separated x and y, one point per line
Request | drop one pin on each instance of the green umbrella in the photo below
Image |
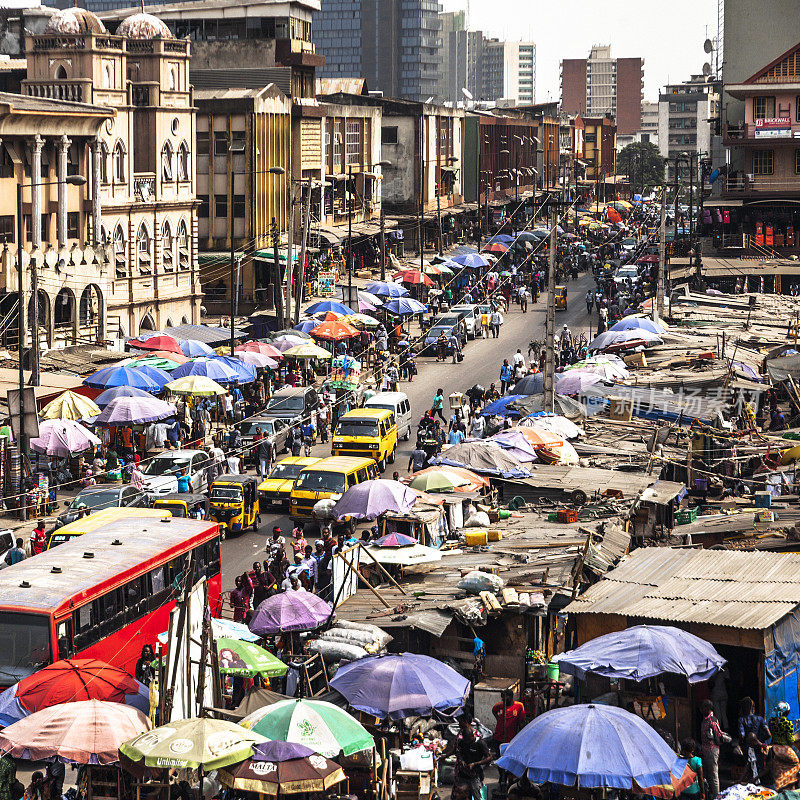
167	364
324	727
245	658
193	743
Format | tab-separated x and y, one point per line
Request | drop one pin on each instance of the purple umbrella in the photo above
399	686
290	611
278	750
62	438
103	399
517	444
370	499
135	411
575	381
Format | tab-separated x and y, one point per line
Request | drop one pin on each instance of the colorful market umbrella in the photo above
290	611
177	358
324	727
405	305
84	732
279	768
561	746
192	348
395	540
245	373
257	360
447	479
471	260
70	405
307	351
370	499
245	658
158	375
214	368
196	385
334	331
495	247
387	289
401	685
413	276
164	364
121	376
135	411
327	316
264	348
363	319
193	743
104	398
328	305
641	652
158	341
62	438
69	681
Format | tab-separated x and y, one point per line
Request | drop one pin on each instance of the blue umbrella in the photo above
306	325
530	384
503	238
634	323
500	407
641	652
113	393
400	686
387	289
473	260
213	368
246	372
121	376
329	305
155	373
192	348
405	305
591	745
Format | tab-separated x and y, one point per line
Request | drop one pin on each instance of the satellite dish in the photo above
706	69
708	46
467	93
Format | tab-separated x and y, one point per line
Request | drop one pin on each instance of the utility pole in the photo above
350	199
658	306
35	322
302	260
439	220
289	254
383	244
550	358
233	289
276	266
23	438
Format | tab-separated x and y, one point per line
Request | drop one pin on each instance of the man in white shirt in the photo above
519	359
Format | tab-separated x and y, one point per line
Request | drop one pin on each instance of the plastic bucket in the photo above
552	671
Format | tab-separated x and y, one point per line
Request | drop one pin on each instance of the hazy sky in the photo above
669	36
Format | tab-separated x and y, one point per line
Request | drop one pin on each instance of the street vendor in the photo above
472	755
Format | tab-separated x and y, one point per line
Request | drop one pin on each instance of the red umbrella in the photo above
178	358
158	342
495	247
74	679
612	215
412	276
647	260
259	347
334	331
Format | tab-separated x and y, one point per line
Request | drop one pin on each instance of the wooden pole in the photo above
382	569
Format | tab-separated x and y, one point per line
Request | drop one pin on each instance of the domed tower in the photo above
74	21
144	26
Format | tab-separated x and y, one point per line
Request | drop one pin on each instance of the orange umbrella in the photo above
412	276
328	316
334	331
539	437
178	358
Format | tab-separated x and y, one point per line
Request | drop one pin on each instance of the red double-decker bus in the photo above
104	594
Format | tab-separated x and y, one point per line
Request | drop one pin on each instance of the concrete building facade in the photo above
601	85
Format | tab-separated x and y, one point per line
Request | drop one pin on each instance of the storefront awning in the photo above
723	202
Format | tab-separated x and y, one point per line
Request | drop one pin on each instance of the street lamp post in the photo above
382	165
73	180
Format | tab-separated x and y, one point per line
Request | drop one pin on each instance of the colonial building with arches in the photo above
121	254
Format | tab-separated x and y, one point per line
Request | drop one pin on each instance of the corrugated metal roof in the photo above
750	590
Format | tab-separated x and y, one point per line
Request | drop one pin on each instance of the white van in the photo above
397	402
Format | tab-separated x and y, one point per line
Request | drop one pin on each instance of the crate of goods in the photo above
567	515
763	499
552	517
686	516
765	515
620	409
635	360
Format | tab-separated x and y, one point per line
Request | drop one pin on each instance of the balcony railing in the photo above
57	90
144	186
762	183
747	132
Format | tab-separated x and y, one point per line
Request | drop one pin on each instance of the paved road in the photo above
481	364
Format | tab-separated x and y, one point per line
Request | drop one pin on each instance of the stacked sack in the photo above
349	641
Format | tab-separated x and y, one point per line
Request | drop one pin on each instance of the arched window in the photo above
103	236
143	255
104	156
61	73
166	161
119	163
120	257
183	162
167	247
184	257
108	76
173	79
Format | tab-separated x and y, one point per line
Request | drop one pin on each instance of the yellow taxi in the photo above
366	432
328	479
275	490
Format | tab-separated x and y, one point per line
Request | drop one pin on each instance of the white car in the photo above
471	318
161	471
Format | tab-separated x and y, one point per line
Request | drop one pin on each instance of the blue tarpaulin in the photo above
781	666
500	407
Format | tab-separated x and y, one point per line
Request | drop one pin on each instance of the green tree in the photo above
643	165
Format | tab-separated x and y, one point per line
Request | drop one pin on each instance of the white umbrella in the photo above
607	372
617	337
405	556
370	298
257	359
554	423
